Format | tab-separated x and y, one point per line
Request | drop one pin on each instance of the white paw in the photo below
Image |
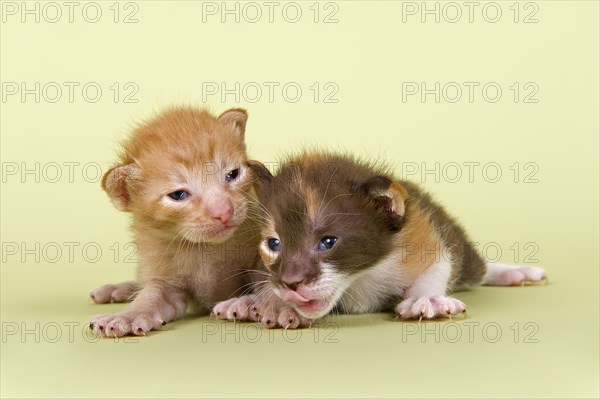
126	323
272	313
514	275
236	309
429	307
276	313
289	318
116	293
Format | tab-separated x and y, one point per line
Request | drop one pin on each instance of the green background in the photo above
548	345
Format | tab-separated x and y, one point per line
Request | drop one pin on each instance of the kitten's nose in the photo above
222	213
292	282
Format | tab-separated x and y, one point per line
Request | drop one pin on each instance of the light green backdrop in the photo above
517	94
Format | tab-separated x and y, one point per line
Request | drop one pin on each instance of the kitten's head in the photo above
327	219
184	174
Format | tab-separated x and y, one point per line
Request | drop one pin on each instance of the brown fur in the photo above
292	196
340	233
189	250
374	216
468	267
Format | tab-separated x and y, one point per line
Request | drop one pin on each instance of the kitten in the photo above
344	233
184	178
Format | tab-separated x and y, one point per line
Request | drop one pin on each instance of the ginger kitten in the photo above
184	178
343	233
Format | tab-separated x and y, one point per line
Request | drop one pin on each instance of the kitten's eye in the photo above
274	244
179	195
327	243
231	176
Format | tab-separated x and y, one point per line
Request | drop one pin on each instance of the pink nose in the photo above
222	213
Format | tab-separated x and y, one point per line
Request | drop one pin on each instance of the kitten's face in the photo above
200	201
326	222
188	177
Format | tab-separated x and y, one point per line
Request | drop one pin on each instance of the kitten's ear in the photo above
262	173
115	183
235	118
389	197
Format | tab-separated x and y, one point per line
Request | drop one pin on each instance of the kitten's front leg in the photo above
154	306
426	298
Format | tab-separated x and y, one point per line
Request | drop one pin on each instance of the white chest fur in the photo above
372	289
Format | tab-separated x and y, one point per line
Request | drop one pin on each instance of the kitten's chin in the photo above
315	308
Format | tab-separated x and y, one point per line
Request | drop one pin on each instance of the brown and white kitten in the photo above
184	178
344	233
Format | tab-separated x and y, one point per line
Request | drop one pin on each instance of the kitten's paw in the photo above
235	309
271	313
279	314
505	275
220	309
126	323
429	307
117	293
268	316
289	318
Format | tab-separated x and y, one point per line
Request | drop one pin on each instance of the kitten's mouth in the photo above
216	233
311	308
225	229
220	229
314	306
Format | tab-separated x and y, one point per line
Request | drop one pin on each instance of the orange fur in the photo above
420	245
184	248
